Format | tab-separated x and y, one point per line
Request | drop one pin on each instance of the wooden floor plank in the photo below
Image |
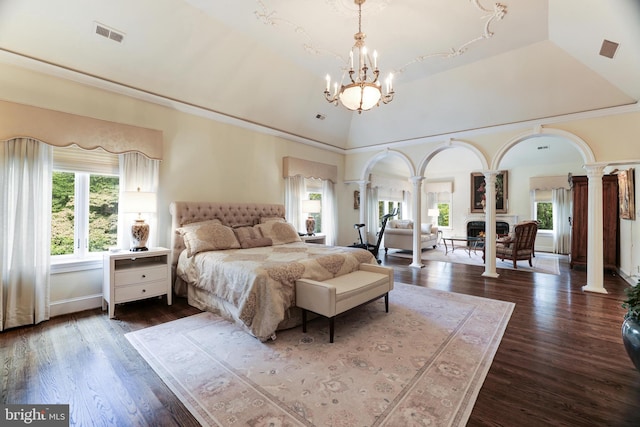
561	361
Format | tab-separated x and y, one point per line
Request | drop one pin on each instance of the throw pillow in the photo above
250	237
426	228
279	232
265	219
207	236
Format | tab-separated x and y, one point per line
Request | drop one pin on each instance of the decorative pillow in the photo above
279	232
403	223
208	236
265	219
250	237
426	228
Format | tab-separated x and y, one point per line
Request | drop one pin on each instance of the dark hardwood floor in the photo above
561	361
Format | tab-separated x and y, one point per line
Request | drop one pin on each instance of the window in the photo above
84	203
543	209
314	192
544	215
387	206
443	214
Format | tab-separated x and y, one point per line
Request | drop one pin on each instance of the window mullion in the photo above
82	214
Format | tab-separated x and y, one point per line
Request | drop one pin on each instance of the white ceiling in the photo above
264	61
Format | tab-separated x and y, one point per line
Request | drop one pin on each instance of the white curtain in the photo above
561	199
137	171
294	192
373	217
329	213
407	211
25	231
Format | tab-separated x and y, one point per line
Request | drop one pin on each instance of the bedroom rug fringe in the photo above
423	363
542	262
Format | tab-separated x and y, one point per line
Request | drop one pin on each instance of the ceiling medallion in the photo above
364	92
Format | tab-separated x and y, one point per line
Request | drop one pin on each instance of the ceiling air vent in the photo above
110	33
608	48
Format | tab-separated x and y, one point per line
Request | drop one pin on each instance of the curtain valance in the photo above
292	166
438	187
387	184
549	182
63	129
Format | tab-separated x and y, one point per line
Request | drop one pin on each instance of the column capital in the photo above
595	170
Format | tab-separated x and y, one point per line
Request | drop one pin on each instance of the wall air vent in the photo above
608	48
543	147
109	33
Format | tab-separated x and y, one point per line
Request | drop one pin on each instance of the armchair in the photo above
518	245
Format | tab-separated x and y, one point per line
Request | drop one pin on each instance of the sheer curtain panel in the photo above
294	190
561	199
25	231
137	171
329	213
373	215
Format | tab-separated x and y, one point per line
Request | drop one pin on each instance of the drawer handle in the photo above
144	276
144	290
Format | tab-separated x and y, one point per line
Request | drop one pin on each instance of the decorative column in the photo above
490	224
417	221
595	253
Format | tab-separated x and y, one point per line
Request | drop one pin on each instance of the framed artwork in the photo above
626	194
356	199
478	192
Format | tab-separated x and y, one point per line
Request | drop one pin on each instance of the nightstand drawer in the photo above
140	275
140	291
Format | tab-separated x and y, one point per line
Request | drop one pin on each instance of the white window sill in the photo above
67	265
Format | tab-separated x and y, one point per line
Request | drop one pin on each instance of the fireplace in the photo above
475	227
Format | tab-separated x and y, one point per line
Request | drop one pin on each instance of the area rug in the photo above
542	262
423	363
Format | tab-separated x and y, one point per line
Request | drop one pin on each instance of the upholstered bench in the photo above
334	296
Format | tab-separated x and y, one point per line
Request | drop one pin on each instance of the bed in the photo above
241	261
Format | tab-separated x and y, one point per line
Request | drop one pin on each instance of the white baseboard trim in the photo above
73	305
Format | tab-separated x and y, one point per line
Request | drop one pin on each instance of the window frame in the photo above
83	164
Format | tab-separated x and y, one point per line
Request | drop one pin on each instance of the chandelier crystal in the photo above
364	92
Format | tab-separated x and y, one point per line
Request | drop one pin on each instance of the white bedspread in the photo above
260	282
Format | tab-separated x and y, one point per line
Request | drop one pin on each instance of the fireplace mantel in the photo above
509	219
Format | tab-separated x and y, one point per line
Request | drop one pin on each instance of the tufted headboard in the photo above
230	214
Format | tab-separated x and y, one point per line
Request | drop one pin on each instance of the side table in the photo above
132	276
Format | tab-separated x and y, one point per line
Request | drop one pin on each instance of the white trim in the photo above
75	264
74	305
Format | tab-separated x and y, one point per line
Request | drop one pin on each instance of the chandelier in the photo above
364	91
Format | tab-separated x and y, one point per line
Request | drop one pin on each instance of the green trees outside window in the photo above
81	200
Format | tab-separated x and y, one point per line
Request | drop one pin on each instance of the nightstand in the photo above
132	276
317	238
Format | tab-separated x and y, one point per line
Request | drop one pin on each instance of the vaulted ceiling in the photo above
458	64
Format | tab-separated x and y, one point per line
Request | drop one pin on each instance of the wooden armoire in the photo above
610	222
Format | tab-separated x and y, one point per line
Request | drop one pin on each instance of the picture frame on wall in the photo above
478	192
356	199
626	194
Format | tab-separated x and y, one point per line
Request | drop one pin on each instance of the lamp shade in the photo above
138	202
311	206
433	212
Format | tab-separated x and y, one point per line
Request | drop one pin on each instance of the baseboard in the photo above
73	305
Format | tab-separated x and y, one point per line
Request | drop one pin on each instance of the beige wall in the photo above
209	160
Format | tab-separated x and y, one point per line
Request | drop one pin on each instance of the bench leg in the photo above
331	328
304	320
386	302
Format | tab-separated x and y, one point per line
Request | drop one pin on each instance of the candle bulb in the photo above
375	59
335	88
351	59
328	82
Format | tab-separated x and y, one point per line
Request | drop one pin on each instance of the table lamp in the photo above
139	202
310	207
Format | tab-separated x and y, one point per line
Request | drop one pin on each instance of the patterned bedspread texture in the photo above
260	282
